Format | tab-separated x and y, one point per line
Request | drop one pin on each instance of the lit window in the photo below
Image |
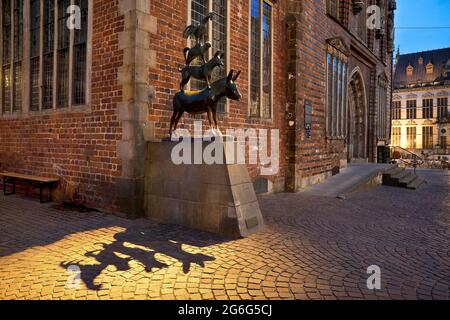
396	136
396	110
411	138
427	137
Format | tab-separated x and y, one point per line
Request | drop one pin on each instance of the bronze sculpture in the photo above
206	100
199	51
199	31
201	72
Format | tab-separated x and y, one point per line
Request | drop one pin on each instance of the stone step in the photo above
401	175
393	171
416	183
407	180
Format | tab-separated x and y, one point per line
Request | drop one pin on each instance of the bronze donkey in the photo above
198	102
202	72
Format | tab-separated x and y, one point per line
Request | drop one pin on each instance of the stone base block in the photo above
217	198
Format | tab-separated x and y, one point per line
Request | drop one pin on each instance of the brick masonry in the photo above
98	151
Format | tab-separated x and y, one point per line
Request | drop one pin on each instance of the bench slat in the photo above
28	177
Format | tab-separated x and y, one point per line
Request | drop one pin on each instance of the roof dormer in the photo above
409	70
420	61
430	68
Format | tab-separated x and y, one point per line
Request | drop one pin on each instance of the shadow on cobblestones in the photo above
142	246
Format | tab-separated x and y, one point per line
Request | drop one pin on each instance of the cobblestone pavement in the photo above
314	248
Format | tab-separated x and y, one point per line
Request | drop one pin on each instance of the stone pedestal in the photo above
218	198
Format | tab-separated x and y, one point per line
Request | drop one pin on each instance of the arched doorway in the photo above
357	135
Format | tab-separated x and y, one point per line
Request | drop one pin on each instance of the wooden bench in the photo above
11	177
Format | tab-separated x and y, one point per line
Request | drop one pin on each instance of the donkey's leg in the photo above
216	124
172	122
177	120
210	118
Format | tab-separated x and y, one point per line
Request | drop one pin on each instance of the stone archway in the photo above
357	135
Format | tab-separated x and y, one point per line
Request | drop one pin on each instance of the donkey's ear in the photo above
230	76
219	54
237	75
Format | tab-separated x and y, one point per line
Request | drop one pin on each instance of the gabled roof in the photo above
439	58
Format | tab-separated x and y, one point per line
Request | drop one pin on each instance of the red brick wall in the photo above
79	147
172	19
319	155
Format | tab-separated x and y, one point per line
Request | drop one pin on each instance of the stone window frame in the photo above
26	72
427	137
411	137
442	108
337	126
396	110
210	37
271	3
396	136
427	108
411	109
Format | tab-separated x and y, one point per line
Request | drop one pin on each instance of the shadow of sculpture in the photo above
140	246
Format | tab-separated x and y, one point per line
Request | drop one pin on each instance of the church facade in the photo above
81	104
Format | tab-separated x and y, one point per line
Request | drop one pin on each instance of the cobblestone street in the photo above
313	248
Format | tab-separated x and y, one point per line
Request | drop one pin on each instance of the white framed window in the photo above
261	59
218	36
44	63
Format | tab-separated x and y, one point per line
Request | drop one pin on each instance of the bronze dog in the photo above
199	51
202	72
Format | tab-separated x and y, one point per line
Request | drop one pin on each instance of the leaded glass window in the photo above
57	72
35	50
63	54
336	97
80	53
217	36
261	59
49	38
6	59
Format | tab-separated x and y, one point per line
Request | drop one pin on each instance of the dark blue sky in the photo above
422	13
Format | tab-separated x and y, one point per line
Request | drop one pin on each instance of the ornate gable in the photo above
338	46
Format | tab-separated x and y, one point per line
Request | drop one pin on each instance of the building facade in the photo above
420	109
82	103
